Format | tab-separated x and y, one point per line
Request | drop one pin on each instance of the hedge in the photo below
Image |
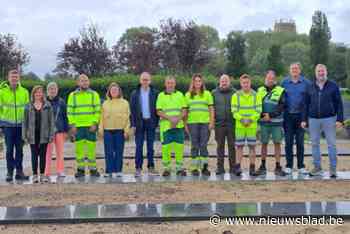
130	82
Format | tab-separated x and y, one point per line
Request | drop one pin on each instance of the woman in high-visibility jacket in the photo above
199	123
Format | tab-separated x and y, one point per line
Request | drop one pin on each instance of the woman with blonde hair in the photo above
199	122
38	130
114	127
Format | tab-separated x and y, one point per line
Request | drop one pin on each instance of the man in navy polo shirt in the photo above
295	86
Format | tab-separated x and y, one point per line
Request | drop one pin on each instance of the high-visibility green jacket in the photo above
12	104
83	108
198	107
246	106
170	104
270	104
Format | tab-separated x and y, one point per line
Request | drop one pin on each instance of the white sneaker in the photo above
35	179
62	175
303	171
288	170
119	174
108	175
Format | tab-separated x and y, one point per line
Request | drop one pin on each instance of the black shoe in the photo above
9	177
195	172
205	170
279	171
94	173
21	176
80	173
262	170
166	173
181	172
238	171
220	172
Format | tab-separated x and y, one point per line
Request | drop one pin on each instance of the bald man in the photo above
224	123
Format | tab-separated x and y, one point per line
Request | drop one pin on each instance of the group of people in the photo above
44	120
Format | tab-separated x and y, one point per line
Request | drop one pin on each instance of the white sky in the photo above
42	27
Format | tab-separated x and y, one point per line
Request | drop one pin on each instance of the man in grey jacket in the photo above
224	123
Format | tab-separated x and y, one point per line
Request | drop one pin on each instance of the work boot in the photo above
21	176
279	171
94	173
181	172
166	173
316	171
262	170
9	177
220	171
195	172
205	170
238	170
252	171
80	173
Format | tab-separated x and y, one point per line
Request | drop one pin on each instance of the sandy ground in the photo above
178	227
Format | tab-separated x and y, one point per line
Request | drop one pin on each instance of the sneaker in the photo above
252	171
303	171
181	172
195	172
316	171
119	174
262	170
61	175
166	173
9	177
205	170
220	172
108	175
152	171
279	171
35	179
44	179
21	176
333	172
138	173
288	171
94	173
80	173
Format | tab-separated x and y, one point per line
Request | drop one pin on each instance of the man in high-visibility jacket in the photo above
171	110
83	110
271	120
13	98
246	109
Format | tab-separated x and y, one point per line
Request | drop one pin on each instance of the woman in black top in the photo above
38	130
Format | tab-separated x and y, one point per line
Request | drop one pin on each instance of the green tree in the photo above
337	69
320	35
259	63
274	59
297	52
235	49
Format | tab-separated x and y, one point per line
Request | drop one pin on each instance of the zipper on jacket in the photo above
319	104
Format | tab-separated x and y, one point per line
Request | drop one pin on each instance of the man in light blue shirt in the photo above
144	96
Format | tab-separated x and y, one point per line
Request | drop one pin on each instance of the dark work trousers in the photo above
114	149
293	132
13	141
223	133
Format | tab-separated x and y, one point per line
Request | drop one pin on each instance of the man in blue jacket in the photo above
144	121
295	86
323	113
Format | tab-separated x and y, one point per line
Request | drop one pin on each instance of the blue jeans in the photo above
316	127
114	149
149	131
13	140
294	132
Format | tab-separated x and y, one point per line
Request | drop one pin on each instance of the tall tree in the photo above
274	59
320	35
337	68
182	46
235	49
87	54
137	50
12	54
